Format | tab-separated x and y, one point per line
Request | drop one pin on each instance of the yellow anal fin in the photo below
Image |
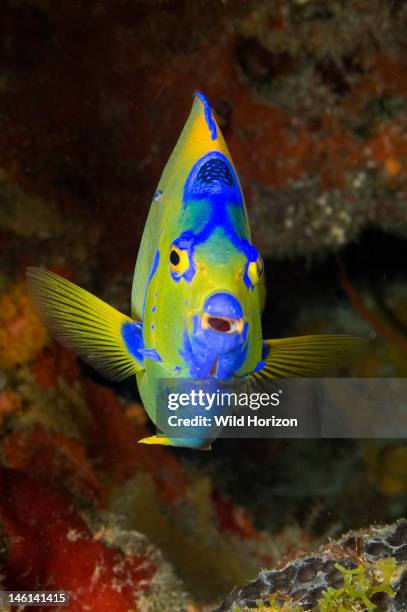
307	356
163	440
83	323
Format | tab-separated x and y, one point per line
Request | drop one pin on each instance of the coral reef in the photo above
22	334
357	572
50	545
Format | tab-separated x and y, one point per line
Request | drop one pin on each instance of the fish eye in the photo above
174	257
179	260
255	270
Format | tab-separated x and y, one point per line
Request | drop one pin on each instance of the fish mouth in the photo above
222	325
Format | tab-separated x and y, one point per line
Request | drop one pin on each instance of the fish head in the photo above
215	277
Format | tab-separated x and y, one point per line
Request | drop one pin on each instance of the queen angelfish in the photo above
198	289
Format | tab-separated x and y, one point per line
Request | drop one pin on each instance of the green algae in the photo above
360	586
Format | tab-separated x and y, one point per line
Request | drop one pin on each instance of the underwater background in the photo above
311	97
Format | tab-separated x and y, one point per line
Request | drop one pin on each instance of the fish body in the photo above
198	289
198	216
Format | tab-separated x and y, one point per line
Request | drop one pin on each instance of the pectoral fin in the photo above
85	324
306	356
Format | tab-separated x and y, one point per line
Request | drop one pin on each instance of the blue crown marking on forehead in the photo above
213	178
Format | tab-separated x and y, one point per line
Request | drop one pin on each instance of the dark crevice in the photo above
375	261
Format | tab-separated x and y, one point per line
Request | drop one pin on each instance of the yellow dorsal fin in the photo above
83	323
307	356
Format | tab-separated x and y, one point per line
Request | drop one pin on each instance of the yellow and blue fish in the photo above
198	289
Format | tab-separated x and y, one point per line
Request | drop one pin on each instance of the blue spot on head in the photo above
215	171
208	114
213	178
